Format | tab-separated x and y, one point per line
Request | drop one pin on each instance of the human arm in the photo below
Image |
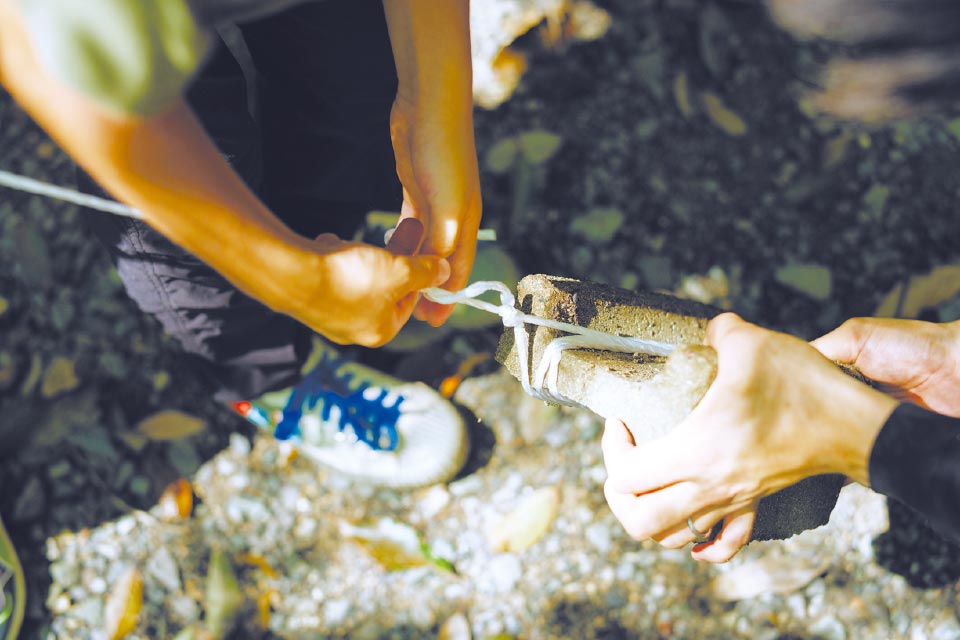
776	413
916	456
164	165
917	360
432	132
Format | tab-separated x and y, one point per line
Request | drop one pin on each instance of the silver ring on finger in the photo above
698	536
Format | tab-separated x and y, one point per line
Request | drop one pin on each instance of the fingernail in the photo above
444	271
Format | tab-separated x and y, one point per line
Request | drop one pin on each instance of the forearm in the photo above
431	49
169	169
164	165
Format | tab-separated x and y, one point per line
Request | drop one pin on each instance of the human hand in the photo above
920	360
776	413
437	165
364	294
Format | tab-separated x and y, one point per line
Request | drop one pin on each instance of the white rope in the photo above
549	368
29	185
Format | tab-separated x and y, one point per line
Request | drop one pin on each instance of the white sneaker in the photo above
364	423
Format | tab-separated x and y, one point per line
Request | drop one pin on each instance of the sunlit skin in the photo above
920	360
431	125
167	167
778	412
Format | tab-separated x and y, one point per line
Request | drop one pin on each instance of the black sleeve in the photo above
916	460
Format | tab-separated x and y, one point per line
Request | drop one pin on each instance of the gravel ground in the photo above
582	579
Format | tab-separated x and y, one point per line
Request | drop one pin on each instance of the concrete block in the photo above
661	390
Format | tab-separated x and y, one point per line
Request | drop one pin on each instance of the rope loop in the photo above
549	368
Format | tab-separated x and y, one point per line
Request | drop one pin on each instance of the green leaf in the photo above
811	279
382	219
875	199
33	255
223	597
954	127
539	145
170	425
836	148
599	225
650	68
501	156
714	32
438	561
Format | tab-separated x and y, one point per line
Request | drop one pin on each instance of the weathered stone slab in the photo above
660	390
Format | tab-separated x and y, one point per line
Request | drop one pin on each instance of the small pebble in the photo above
505	572
335	612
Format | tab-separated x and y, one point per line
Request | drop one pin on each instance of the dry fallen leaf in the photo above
924	291
258	561
122	610
176	501
193	632
265	607
496	24
681	94
170	425
59	377
768	574
456	627
523	526
394	545
723	116
586	21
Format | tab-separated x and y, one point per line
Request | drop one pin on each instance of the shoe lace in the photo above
372	420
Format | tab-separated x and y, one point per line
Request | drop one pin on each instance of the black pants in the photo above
319	155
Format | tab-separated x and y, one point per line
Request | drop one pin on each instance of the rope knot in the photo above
512	317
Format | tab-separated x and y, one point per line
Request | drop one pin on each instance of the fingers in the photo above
735	533
658	515
681	535
616	437
461	262
616	444
653	465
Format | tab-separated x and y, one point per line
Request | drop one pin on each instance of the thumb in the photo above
406	237
420	272
843	344
722	326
